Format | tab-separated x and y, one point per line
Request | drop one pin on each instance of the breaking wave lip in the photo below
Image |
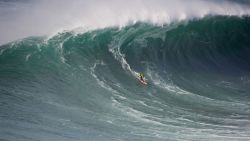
96	14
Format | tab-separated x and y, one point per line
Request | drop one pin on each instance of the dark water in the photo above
83	87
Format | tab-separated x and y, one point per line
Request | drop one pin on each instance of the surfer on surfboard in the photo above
142	78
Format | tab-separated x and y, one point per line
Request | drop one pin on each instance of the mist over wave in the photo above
20	19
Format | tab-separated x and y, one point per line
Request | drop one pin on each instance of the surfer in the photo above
142	79
141	76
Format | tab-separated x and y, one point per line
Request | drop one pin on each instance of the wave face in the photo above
83	86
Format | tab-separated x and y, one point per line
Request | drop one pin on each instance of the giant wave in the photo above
82	86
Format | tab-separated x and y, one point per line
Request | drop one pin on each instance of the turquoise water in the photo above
83	87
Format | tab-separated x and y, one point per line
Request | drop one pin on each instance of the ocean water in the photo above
83	87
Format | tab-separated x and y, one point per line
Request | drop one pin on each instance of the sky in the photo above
24	18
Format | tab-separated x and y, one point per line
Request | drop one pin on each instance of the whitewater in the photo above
68	70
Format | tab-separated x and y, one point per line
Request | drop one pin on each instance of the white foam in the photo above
27	57
114	48
47	17
137	115
102	83
148	106
158	81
